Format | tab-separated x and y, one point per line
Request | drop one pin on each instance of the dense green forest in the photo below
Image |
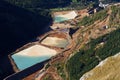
110	1
48	4
42	6
40	3
56	3
92	53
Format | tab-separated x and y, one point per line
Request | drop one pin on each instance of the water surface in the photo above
32	55
59	19
24	62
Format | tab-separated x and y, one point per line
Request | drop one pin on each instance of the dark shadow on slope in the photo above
43	4
27	72
17	27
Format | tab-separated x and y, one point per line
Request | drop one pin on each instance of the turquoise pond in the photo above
59	19
24	62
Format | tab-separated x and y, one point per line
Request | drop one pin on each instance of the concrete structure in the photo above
103	5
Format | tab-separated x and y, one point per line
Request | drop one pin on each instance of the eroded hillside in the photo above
96	39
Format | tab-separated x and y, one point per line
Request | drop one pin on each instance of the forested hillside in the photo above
88	57
40	3
110	1
36	5
98	49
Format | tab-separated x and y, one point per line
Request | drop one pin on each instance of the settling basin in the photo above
31	56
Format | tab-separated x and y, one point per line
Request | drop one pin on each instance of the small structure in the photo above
105	27
103	5
94	10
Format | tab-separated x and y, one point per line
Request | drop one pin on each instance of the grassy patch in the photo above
114	20
88	20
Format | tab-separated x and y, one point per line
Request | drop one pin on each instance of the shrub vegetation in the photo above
86	59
